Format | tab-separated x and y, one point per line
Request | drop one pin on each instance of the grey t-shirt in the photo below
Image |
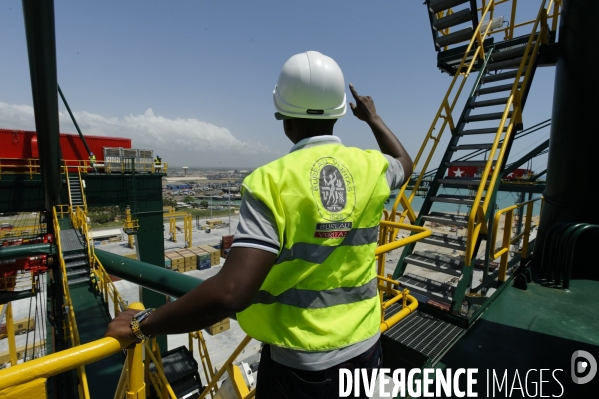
258	229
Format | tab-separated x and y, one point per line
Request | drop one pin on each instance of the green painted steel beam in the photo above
25	193
10	296
22	251
147	275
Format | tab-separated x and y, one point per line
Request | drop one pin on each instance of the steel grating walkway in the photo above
424	333
71	240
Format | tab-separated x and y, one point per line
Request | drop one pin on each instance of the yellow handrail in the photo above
507	239
476	219
32	166
39	370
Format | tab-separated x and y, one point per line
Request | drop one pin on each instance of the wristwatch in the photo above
136	321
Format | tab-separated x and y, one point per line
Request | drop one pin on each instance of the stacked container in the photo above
203	258
177	261
225	245
214	254
219	327
191	259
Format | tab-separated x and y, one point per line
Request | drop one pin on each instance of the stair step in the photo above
486	117
436	262
454	199
70	257
489	103
440	5
484	146
455	37
76	263
446	241
480	131
480	164
455	181
77	272
496	77
507	64
78	281
454	19
446	218
496	89
435	290
508	54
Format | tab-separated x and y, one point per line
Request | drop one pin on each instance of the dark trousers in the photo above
276	381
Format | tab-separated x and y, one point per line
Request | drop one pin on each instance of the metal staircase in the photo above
479	121
441	275
75	191
74	253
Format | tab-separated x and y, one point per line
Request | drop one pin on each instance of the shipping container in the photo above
23	144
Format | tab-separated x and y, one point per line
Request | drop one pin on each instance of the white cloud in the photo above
178	141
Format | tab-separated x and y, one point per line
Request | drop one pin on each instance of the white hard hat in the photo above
310	86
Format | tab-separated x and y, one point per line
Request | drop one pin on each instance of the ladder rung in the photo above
486	146
508	54
480	164
440	5
436	262
486	130
456	181
515	63
496	89
446	218
457	200
453	19
499	76
489	103
455	37
486	117
435	290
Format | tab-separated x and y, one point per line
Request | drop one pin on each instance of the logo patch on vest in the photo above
333	189
332	230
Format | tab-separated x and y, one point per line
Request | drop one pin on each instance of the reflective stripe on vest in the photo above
308	299
321	293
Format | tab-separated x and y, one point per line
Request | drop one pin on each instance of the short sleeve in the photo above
395	175
257	227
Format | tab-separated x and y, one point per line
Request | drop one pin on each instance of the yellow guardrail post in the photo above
137	387
10	330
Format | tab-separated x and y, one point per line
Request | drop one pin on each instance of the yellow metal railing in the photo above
203	354
508	240
31	166
31	377
72	330
234	373
476	219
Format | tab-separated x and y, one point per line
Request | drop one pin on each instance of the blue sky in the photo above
193	80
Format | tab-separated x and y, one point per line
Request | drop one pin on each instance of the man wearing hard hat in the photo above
301	273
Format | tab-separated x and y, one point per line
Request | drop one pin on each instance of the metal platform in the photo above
71	240
418	340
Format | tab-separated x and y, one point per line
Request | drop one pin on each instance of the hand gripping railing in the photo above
29	379
508	240
476	219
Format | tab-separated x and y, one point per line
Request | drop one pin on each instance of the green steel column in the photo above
41	47
150	249
572	168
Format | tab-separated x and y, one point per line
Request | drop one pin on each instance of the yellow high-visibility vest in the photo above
321	294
